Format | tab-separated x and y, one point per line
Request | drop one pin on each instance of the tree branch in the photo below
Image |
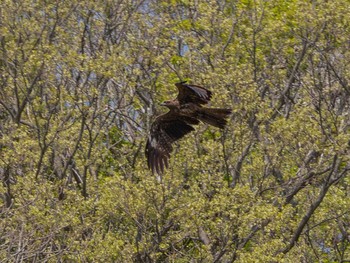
328	182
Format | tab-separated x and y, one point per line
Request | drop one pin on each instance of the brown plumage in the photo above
184	112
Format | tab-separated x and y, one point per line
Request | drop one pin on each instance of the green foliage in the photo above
80	85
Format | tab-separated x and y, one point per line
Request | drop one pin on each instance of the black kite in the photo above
184	112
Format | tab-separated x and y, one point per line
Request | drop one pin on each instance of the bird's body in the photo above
184	112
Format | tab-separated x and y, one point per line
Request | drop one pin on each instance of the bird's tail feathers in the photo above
214	116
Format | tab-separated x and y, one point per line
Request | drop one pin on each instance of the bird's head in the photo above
181	82
171	104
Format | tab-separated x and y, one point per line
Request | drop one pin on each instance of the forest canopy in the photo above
81	83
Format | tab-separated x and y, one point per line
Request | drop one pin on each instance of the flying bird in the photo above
184	112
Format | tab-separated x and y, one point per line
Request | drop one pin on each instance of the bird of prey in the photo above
184	112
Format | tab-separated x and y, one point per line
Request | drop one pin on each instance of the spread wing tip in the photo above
156	160
193	93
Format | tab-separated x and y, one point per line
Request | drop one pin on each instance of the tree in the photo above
80	84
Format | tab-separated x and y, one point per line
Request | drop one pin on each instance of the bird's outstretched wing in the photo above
192	93
165	130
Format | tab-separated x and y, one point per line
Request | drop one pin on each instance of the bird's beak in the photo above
162	104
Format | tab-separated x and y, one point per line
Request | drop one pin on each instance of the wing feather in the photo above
192	93
165	130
